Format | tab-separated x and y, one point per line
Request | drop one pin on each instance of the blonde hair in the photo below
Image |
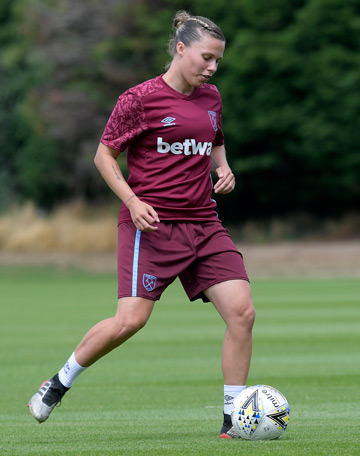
189	28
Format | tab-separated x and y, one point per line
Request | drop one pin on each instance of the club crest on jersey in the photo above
213	121
149	282
168	121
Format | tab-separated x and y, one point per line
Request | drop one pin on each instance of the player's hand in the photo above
226	182
143	215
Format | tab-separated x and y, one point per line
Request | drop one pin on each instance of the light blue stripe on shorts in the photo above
136	263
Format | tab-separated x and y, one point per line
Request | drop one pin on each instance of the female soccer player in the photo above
168	226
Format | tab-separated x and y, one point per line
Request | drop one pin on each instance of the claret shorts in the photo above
200	254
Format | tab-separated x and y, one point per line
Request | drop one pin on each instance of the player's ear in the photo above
180	48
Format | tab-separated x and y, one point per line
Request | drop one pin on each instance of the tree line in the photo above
289	80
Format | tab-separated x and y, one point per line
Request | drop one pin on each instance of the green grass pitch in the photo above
161	393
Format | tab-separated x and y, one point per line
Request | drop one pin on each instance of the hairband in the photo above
199	21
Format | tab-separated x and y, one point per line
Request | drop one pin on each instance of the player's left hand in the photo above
226	182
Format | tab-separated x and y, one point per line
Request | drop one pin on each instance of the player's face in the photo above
200	60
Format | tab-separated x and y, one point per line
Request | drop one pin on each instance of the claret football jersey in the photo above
169	137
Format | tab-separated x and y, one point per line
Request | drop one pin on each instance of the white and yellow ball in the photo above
260	412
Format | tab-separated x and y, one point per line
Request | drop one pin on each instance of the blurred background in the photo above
290	84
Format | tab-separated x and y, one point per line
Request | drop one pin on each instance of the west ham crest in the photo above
212	116
149	282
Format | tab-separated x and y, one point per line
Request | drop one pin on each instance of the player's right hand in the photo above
143	215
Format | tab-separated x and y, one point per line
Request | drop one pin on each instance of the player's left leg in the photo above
232	299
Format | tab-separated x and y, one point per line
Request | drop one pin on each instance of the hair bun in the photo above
180	18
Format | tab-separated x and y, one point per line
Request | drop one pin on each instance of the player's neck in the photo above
176	82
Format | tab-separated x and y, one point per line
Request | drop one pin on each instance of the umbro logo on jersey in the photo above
188	147
168	121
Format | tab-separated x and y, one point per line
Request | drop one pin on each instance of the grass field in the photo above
161	393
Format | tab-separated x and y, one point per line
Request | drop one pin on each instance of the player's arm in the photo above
226	182
142	214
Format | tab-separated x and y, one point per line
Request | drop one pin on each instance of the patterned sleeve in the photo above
126	122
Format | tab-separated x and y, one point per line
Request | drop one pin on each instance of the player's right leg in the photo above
132	314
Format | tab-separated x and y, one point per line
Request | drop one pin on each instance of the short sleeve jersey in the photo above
169	137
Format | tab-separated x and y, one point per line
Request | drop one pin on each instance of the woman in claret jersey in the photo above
168	225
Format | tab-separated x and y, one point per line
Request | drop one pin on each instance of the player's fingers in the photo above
154	214
225	176
230	185
144	226
151	228
146	223
226	185
151	217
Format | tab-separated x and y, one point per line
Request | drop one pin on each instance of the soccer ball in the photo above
260	412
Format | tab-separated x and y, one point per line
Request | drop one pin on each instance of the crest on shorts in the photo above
212	116
149	282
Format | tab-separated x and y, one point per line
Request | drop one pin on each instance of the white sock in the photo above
230	393
70	371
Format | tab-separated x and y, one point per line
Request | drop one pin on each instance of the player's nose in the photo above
212	67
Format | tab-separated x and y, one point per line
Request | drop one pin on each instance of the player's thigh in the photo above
232	299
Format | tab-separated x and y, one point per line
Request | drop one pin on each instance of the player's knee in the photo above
249	314
245	313
134	324
125	328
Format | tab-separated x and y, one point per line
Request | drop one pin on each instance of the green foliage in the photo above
289	81
293	127
12	90
26	151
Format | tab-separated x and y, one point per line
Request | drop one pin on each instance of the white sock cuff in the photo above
230	393
234	388
70	371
